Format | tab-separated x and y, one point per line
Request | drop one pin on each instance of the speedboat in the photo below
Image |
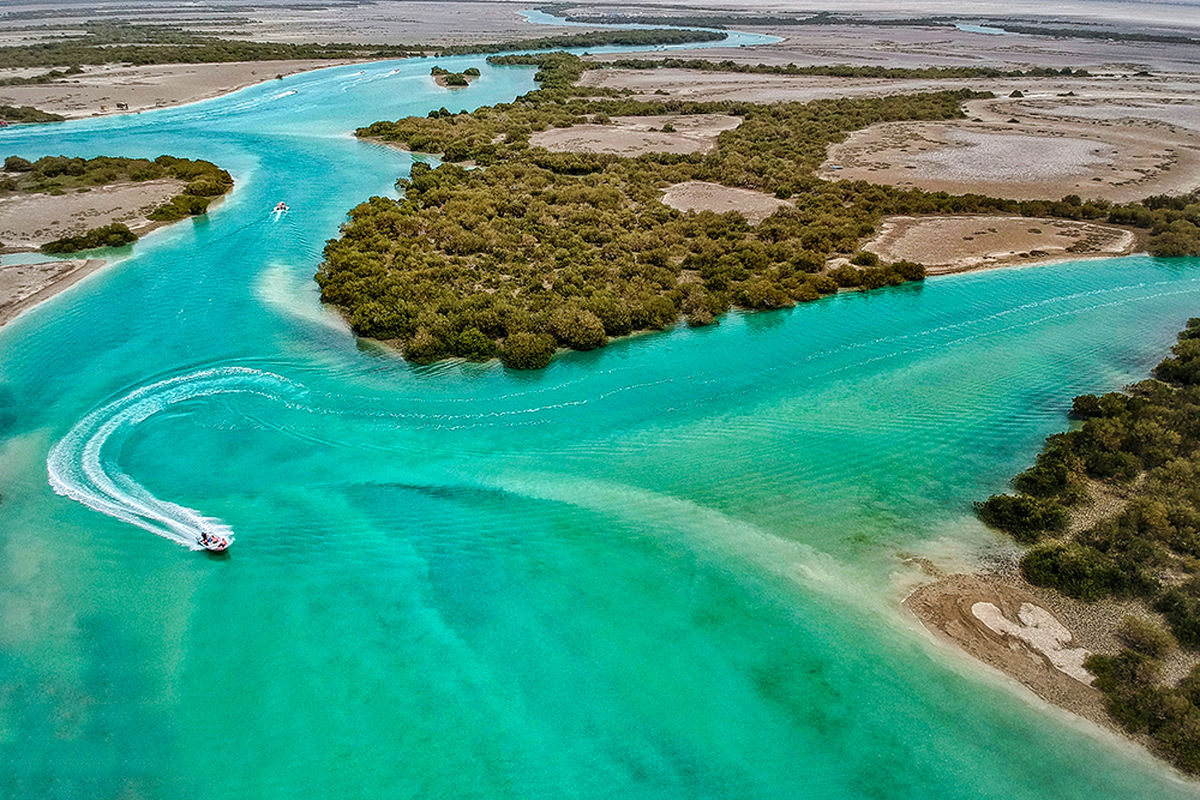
281	207
213	542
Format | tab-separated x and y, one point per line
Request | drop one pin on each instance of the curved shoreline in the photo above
71	272
218	89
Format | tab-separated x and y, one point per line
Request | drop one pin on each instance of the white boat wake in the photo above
77	468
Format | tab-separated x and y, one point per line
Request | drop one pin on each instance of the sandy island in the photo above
28	221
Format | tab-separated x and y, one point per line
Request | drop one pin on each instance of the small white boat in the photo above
281	207
213	542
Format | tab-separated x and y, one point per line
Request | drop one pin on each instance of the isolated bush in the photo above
1145	637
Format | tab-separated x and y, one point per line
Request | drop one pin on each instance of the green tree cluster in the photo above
577	246
835	70
491	252
114	235
27	114
454	79
57	174
1145	444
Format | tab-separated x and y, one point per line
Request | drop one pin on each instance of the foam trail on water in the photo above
77	469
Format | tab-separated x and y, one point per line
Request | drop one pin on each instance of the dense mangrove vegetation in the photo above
124	43
570	249
113	235
1142	446
835	70
27	114
632	38
61	174
454	80
573	249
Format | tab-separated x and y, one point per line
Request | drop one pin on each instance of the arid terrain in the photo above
916	46
28	221
701	196
955	244
632	136
23	286
1042	158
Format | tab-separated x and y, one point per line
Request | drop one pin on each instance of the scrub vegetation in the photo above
629	38
123	43
115	235
27	114
576	247
60	174
1145	445
777	20
835	70
445	77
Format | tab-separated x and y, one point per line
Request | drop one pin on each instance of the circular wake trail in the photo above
77	467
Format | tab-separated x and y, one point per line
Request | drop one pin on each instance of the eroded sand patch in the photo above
948	607
955	244
1039	159
702	196
1037	627
633	136
28	221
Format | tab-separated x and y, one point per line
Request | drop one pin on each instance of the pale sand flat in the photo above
702	196
28	221
632	136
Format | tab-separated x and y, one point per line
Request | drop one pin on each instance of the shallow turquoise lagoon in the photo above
666	569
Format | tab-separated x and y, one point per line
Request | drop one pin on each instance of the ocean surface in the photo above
669	568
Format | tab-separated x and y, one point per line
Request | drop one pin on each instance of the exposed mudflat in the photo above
1036	159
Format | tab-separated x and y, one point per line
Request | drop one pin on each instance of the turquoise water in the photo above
665	569
989	30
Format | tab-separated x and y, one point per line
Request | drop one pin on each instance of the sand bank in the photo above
28	221
98	90
1045	655
633	136
956	244
24	286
